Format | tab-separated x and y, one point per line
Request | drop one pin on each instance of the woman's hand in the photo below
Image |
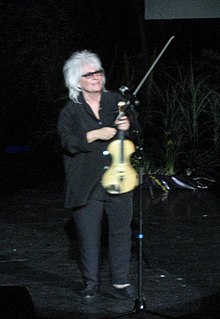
107	133
104	133
123	123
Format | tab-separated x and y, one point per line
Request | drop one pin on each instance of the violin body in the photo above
120	177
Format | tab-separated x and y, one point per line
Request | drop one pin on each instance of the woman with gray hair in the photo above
87	124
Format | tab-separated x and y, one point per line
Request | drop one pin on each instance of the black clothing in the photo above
84	166
84	162
88	222
91	290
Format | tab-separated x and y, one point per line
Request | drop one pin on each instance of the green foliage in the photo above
185	111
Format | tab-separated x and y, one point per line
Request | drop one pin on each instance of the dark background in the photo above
38	36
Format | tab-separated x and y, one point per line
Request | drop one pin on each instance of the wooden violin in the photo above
120	177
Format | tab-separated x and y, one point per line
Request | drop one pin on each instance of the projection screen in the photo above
181	9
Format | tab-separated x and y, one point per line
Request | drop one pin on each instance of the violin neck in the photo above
121	136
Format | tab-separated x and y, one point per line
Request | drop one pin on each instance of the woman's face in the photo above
92	79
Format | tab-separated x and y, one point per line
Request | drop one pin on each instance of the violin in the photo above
120	177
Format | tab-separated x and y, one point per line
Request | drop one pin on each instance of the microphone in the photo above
126	92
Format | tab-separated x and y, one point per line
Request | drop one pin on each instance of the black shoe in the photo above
90	291
123	293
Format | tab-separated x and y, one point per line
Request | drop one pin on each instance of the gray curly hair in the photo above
73	70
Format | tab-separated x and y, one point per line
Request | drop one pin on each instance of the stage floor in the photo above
180	256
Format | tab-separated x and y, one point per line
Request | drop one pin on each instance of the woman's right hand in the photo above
104	133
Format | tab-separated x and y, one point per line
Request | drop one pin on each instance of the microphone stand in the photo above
140	305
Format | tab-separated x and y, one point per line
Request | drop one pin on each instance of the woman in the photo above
86	126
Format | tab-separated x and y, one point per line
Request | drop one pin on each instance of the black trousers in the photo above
88	223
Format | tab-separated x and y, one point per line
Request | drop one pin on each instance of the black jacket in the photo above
84	162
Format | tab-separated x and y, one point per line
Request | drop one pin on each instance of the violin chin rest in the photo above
113	189
120	182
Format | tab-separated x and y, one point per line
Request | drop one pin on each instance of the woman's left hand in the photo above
123	123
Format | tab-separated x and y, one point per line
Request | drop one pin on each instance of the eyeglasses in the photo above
91	74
